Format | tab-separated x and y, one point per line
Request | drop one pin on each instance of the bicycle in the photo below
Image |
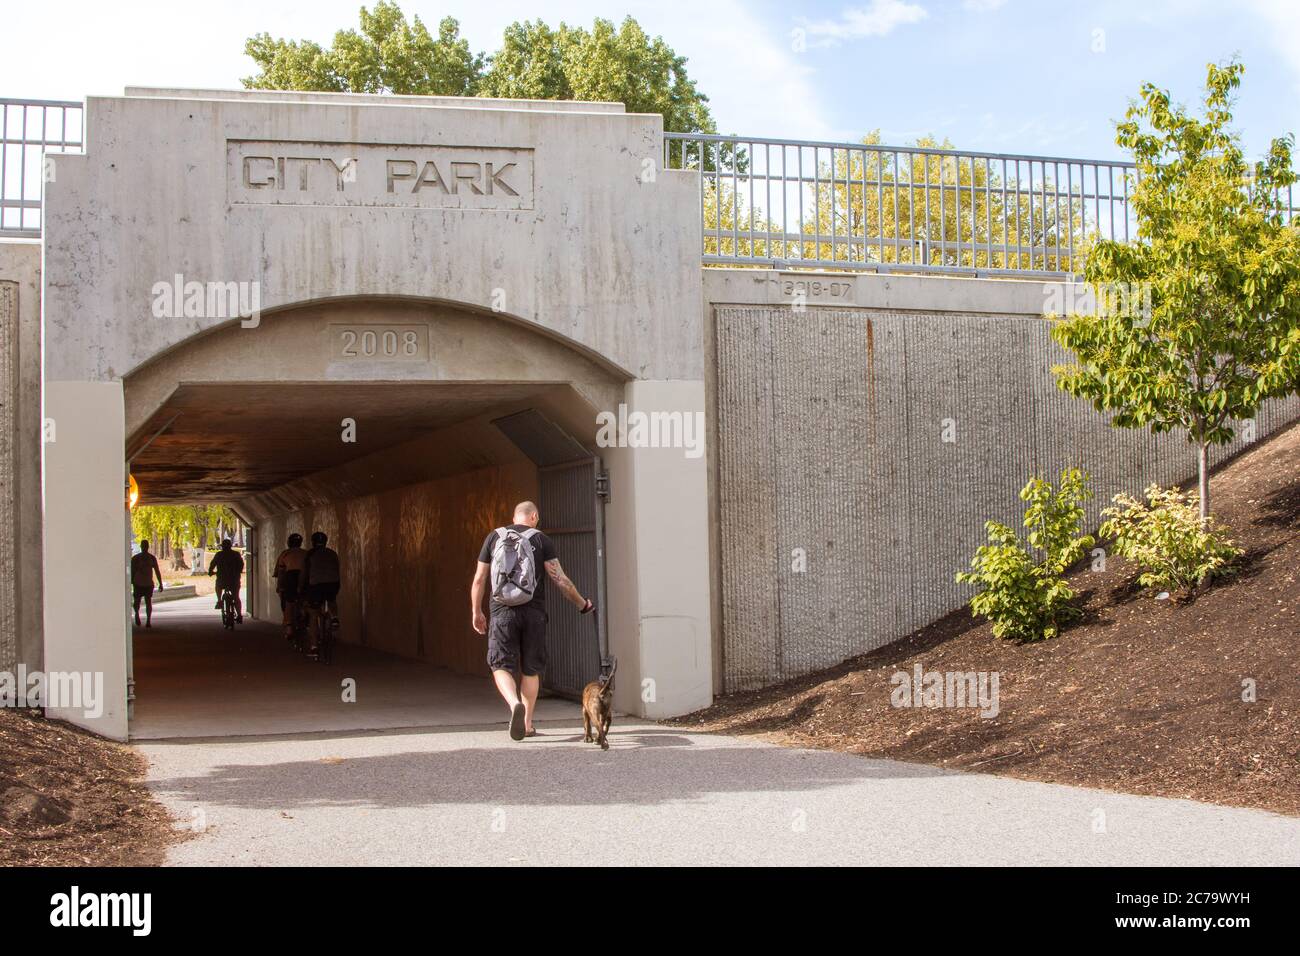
322	625
228	613
297	635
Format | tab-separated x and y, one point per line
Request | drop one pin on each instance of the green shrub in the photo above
1022	586
1166	538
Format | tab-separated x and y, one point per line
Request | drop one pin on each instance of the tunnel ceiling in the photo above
225	442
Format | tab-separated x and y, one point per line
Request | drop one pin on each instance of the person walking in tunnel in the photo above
228	565
516	633
144	568
320	580
288	579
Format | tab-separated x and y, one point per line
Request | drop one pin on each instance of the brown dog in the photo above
598	708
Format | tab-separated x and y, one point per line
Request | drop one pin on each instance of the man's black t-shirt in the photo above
543	551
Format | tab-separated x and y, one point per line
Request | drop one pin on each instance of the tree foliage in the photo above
388	54
933	206
925	205
1219	265
172	528
606	63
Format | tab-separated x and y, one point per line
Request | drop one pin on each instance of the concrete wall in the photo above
830	425
596	250
21	631
451	102
593	252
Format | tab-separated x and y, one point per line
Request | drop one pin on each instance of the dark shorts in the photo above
288	588
517	640
320	593
141	591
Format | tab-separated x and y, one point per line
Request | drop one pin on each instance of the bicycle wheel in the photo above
299	629
323	635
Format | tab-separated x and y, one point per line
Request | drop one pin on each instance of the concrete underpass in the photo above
406	478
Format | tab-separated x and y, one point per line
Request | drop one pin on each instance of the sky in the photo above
1045	77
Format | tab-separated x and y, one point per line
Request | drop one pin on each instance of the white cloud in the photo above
983	6
877	19
757	82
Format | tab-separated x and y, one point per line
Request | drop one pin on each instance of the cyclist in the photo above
228	565
320	580
288	580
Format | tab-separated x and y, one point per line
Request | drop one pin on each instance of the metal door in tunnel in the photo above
571	500
568	505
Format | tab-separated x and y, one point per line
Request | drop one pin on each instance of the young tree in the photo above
1218	266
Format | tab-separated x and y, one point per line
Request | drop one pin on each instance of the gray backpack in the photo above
514	572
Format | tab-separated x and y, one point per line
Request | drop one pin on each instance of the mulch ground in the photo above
69	798
1140	696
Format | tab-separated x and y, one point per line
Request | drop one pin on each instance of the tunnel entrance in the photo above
407	478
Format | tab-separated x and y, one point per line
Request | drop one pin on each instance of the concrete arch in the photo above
309	342
252	415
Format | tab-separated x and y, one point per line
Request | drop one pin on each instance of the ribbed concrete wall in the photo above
830	427
21	597
8	463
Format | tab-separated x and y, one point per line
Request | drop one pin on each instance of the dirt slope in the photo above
69	798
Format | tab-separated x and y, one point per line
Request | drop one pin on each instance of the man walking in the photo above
516	635
144	568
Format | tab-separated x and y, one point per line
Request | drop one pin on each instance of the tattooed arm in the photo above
565	585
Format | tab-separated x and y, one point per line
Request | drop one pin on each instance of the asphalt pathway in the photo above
470	795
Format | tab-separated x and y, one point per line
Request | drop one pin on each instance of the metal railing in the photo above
785	203
855	206
28	130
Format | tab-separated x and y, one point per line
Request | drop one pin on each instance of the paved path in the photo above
658	796
193	678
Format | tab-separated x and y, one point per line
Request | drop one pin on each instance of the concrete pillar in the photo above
659	551
85	568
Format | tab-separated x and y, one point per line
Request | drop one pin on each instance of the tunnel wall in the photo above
408	557
831	439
